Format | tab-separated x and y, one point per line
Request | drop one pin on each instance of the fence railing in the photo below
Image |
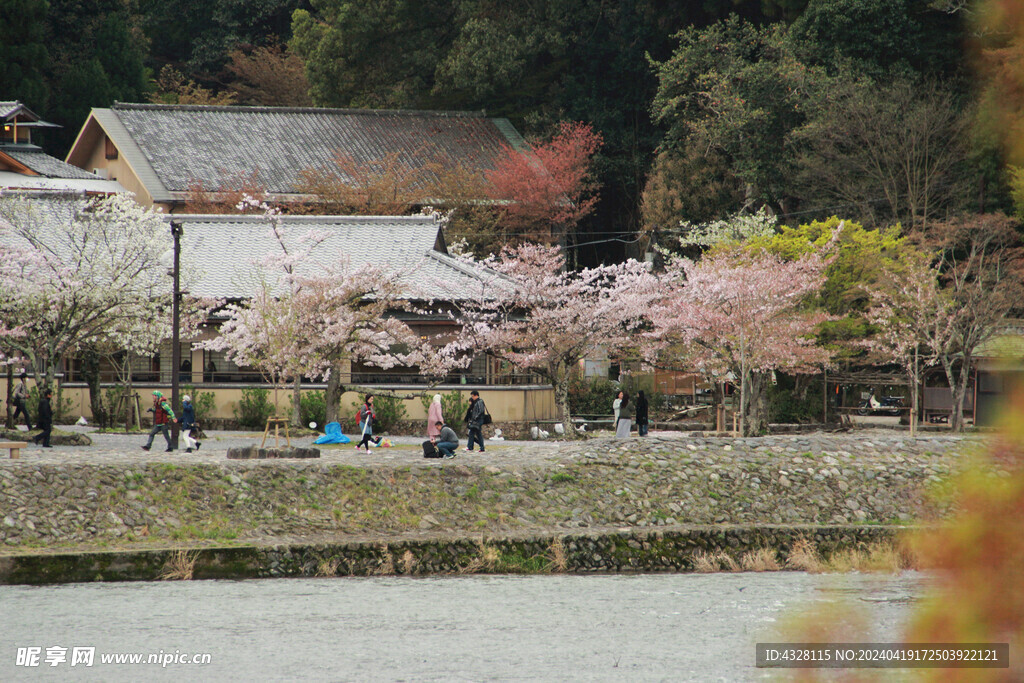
249	377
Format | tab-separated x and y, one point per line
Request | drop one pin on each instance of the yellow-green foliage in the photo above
859	261
1015	176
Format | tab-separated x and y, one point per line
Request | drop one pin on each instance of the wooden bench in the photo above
15	447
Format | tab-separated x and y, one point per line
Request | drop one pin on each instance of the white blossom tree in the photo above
316	320
738	228
74	271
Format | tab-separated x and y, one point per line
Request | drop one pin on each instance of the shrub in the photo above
453	406
591	396
313	407
389	409
61	407
253	409
204	402
786	406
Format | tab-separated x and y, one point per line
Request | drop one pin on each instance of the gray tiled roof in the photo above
222	251
8	108
217	145
218	253
43	164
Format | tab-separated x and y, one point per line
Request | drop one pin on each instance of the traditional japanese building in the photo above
163	153
25	167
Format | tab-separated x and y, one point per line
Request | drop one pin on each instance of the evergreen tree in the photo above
23	54
97	59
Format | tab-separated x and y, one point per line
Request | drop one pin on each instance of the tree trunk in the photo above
717	401
332	397
755	412
561	387
10	396
956	423
297	402
91	374
958	389
129	407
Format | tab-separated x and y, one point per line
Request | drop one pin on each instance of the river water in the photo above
672	627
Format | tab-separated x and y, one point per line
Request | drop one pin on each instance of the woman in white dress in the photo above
625	419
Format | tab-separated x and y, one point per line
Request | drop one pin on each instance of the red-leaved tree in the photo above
547	188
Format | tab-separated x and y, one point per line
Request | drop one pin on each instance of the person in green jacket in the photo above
163	416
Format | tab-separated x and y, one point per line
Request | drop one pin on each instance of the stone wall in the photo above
601	483
637	550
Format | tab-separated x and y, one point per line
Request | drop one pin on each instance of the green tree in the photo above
873	36
98	58
379	53
23	53
198	36
739	90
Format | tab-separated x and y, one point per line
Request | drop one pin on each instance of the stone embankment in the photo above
662	549
658	482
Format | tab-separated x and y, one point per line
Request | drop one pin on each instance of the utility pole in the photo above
175	324
743	382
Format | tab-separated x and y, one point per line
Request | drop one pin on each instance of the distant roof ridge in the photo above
141	106
330	220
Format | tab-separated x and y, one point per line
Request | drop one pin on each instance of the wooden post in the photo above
824	394
277	422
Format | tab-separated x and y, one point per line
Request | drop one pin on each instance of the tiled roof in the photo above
217	145
8	108
219	253
18	182
43	164
222	250
1006	344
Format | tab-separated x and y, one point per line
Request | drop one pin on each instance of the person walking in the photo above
434	417
188	423
365	418
625	421
641	413
20	399
446	440
475	421
44	418
163	416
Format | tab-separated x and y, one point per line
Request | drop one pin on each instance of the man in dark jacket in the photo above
44	418
475	420
446	440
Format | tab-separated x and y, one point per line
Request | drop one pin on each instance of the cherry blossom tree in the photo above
548	188
300	323
913	316
540	318
74	271
351	318
740	315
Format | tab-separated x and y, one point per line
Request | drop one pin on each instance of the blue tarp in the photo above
332	434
